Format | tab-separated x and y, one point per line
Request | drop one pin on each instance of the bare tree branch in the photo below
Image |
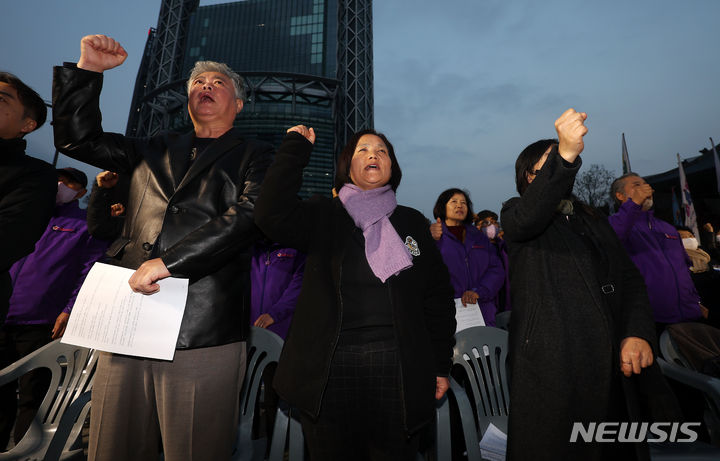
592	186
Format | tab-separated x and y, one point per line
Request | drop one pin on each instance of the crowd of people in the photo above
362	290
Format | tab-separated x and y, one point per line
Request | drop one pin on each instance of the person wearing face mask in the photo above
370	345
657	250
487	222
45	285
476	271
699	258
705	279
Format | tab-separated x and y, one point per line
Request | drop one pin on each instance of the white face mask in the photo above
690	244
490	231
64	194
647	204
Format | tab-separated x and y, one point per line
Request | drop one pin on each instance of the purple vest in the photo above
473	265
47	281
656	249
276	275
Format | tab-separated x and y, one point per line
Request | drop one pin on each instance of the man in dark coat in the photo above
581	318
27	198
189	214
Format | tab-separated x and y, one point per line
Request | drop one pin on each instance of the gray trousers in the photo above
190	402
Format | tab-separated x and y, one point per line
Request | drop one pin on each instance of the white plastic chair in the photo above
60	418
263	349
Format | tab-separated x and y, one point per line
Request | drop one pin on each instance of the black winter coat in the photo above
421	297
100	222
27	199
570	313
200	224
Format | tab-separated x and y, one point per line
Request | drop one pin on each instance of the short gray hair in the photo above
211	66
619	186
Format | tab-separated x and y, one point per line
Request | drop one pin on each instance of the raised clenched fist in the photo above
117	209
436	229
99	53
642	193
571	128
309	133
107	179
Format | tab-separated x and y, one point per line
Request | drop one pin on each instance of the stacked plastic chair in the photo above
59	420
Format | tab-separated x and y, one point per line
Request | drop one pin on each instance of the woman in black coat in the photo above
370	346
581	333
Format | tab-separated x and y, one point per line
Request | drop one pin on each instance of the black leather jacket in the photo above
201	225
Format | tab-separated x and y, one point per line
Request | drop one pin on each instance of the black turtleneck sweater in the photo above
27	197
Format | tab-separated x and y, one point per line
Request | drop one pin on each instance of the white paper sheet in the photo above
467	316
110	317
493	445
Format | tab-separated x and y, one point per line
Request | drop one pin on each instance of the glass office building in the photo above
295	36
286	50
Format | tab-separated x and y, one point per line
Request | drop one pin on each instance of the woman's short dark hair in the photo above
527	159
439	211
33	105
342	171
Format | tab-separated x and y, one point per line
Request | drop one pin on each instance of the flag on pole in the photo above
625	157
717	164
677	213
687	203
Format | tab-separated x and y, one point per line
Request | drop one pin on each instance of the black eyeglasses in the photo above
534	172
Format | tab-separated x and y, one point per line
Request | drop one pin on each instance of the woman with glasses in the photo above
582	339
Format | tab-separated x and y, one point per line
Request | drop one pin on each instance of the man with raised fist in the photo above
189	215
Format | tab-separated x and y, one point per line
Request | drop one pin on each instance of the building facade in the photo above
304	61
286	52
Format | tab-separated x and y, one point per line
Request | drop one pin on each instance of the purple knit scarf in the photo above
385	251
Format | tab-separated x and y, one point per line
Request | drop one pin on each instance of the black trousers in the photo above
361	417
24	396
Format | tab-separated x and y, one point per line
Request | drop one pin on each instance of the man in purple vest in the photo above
657	251
45	285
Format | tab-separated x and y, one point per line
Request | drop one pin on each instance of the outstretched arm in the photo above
77	119
279	212
528	216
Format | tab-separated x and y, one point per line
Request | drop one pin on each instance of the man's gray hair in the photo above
619	186
222	68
